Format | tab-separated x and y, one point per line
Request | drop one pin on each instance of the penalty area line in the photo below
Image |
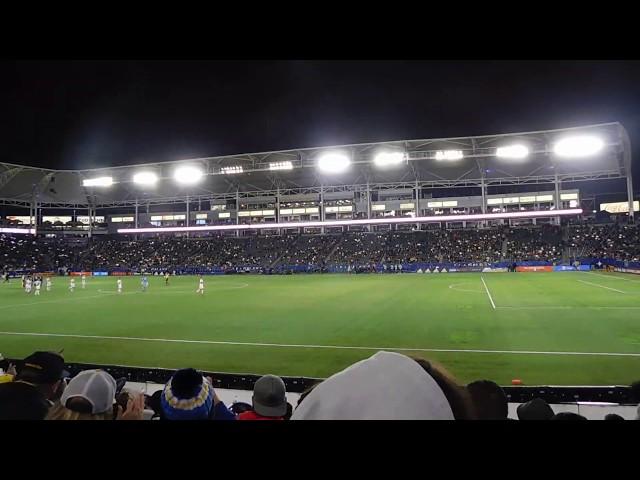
602	286
488	293
329	347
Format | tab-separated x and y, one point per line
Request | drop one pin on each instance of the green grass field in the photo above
546	328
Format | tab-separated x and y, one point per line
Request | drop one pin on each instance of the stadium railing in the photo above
620	395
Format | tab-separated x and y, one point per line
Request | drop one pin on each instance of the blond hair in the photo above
60	412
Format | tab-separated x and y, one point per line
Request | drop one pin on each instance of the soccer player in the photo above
72	285
49	284
24	281
119	283
83	281
200	289
27	285
166	279
145	283
37	283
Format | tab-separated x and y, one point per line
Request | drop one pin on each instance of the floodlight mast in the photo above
626	157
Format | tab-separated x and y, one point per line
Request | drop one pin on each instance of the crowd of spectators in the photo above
543	243
527	244
40	389
621	242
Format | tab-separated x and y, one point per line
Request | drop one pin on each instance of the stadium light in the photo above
98	182
333	162
388	158
578	146
145	178
281	166
187	175
449	155
372	221
512	151
231	170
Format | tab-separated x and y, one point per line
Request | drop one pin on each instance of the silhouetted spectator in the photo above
38	383
489	400
536	409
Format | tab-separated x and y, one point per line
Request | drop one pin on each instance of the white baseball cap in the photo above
95	386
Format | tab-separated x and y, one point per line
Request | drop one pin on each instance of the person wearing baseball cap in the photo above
90	395
269	400
38	383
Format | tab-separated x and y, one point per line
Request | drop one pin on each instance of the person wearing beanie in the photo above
269	401
189	396
386	386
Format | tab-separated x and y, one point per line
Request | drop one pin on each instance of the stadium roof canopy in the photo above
420	167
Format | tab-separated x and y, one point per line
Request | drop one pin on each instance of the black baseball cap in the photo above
269	396
43	367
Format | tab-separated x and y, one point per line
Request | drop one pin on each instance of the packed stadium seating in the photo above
498	244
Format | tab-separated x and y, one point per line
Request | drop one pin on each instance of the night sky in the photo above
82	114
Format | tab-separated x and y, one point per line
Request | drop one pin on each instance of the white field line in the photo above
602	286
332	347
565	307
488	293
615	277
454	286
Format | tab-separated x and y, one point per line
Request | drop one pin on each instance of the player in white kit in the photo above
48	280
72	285
119	283
38	284
83	281
27	287
200	289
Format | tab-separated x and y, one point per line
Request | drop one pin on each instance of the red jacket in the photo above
251	415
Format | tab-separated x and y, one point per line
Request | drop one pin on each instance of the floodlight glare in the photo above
231	170
385	159
333	162
281	166
187	175
449	155
98	182
512	151
579	146
145	178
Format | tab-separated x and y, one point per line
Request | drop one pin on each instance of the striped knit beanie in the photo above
187	396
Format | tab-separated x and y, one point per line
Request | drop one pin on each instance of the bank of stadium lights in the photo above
512	151
98	182
449	155
145	178
578	146
281	166
334	162
231	170
387	159
187	175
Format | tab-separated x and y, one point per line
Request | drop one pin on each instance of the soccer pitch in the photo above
573	328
